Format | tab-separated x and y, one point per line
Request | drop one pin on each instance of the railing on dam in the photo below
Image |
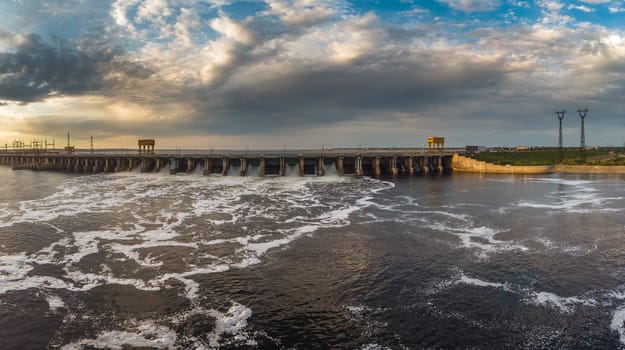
344	161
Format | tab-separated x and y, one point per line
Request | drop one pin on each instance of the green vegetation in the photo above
552	156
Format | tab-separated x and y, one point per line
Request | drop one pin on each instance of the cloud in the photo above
415	11
186	22
580	8
118	13
595	2
303	12
473	5
32	69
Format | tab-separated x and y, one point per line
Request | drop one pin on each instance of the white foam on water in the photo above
81	195
572	203
39	282
85	281
442	218
87	244
547	299
334	218
374	346
564	304
597	210
228	207
93	242
477	282
13	267
547	180
232	322
618	323
240	240
471	205
578	197
145	334
382	185
90	242
368	202
55	302
226	197
461	217
191	287
467	234
407	200
568	182
564	247
356	309
194	214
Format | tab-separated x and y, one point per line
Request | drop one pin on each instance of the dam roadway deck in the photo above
369	162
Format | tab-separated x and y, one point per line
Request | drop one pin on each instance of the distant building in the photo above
475	149
68	150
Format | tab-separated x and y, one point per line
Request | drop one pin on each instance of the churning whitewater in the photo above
191	261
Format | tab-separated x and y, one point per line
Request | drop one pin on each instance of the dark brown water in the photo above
461	261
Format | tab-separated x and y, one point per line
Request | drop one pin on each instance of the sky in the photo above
311	73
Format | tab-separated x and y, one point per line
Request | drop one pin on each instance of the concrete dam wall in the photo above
310	164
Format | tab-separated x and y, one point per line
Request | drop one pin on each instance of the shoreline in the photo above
589	169
470	165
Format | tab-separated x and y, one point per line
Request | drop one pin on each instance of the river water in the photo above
458	261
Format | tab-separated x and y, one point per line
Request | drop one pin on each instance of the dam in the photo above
355	162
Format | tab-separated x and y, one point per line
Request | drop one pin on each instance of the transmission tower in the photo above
582	138
560	115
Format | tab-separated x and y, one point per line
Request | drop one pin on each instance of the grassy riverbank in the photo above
552	157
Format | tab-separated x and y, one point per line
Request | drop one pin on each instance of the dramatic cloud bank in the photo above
33	70
302	73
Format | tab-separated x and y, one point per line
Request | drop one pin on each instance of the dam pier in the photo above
355	162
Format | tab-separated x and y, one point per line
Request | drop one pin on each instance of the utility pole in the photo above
582	138
92	144
560	115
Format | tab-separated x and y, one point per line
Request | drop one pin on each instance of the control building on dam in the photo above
370	162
